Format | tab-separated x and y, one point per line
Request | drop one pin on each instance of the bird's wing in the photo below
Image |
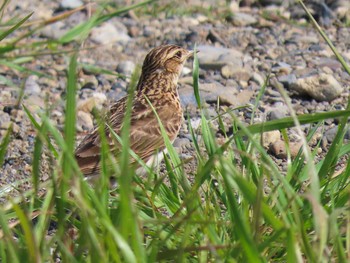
88	152
145	135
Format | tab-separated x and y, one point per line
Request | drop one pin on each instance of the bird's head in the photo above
166	59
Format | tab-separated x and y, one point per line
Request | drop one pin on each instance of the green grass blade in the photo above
31	242
288	122
69	126
4	144
12	29
195	76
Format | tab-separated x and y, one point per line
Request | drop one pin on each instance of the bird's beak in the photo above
191	53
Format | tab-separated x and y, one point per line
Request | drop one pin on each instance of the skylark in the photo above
158	83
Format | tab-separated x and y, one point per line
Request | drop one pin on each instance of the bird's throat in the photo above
157	83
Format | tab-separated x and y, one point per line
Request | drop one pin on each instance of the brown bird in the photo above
158	83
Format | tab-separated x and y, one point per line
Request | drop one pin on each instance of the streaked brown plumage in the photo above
158	82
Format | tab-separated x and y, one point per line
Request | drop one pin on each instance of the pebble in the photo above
238	73
54	30
181	143
108	33
271	137
330	134
211	57
96	101
322	87
71	4
242	19
211	92
5	120
89	82
281	68
31	85
256	77
84	121
278	111
195	123
126	67
278	149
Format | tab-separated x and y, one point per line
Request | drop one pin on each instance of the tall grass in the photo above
239	205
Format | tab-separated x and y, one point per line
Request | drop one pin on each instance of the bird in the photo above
157	86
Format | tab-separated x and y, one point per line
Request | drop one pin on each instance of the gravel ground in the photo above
239	46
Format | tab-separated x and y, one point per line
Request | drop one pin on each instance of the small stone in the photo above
89	82
227	71
84	121
126	67
70	4
211	92
276	115
278	149
31	85
322	87
330	134
256	77
107	33
96	101
271	137
287	80
181	143
195	123
54	30
231	71
5	121
243	19
278	111
210	57
281	68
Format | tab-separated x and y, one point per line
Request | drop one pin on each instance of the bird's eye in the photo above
178	54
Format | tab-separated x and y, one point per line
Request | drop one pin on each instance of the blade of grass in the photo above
195	76
288	122
12	29
4	144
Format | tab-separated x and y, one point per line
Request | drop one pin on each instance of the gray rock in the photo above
31	86
243	19
181	143
211	92
5	120
278	111
109	33
238	73
276	114
210	57
287	80
256	77
281	68
187	97
329	135
55	30
71	4
322	87
126	67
